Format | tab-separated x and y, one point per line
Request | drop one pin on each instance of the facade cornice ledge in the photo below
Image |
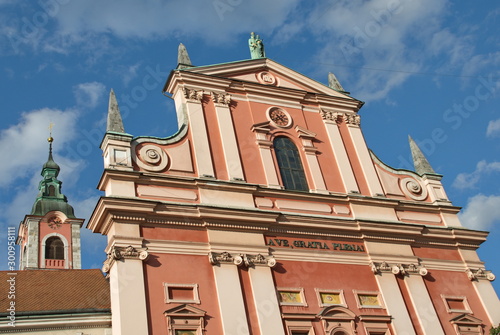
107	207
296	316
109	174
235	215
375	318
196	81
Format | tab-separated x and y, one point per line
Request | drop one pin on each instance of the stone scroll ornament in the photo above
480	274
152	158
216	258
399	269
413	189
118	253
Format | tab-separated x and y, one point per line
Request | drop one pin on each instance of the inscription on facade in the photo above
324	245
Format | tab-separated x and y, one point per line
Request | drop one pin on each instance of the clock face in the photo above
279	117
55	222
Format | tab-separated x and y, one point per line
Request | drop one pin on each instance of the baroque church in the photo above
264	214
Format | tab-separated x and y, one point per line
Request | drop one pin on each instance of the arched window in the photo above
52	190
291	170
54	248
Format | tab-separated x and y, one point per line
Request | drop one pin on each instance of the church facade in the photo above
266	213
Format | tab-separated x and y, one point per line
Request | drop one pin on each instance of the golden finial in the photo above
50	139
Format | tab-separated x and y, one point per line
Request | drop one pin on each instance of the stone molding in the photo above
193	95
399	268
221	98
119	253
481	273
247	260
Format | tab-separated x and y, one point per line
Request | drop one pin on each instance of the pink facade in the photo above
214	231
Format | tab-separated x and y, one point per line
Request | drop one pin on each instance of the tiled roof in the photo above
55	290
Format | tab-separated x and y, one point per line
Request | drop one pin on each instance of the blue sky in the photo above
428	68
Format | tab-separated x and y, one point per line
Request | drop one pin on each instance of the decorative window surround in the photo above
375	297
460	300
185	320
322	295
171	299
291	296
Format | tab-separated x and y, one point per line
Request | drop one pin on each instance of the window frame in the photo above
196	296
284	169
299	290
379	297
467	309
319	291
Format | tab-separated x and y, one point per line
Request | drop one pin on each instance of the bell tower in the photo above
49	237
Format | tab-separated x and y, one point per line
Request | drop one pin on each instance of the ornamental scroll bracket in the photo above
481	273
225	257
402	269
119	253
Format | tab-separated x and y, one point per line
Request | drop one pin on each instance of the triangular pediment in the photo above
183	310
267	72
466	319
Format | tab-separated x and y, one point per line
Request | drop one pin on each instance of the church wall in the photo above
452	284
442	253
196	270
249	150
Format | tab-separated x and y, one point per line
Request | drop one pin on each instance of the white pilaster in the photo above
232	309
340	153
319	184
32	245
229	144
76	246
265	300
199	135
395	304
128	298
424	308
365	160
489	298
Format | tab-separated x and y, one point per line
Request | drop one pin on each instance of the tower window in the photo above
291	170
54	248
52	190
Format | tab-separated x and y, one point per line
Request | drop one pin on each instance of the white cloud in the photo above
213	20
23	146
469	180
493	129
380	43
481	212
89	94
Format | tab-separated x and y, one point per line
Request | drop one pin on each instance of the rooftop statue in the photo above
256	46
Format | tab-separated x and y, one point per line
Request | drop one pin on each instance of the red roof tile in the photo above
55	290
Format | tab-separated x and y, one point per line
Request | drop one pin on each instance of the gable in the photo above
267	72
